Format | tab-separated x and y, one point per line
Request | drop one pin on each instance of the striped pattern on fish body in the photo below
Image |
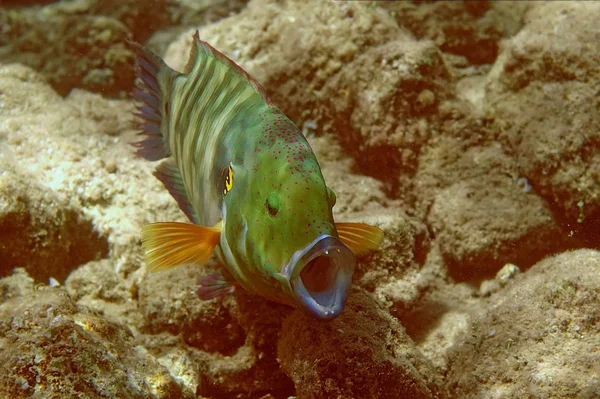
238	164
212	105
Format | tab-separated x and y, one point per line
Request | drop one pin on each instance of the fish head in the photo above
291	239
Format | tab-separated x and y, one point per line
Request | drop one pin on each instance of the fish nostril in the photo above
319	274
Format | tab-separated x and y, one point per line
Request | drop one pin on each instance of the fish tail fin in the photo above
153	89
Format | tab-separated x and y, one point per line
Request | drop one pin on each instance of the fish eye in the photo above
272	203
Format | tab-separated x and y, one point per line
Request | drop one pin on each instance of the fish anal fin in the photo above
359	237
171	244
168	173
215	284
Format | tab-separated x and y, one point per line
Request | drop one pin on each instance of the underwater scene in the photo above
280	199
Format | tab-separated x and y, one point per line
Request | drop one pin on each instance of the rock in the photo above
80	43
384	105
16	285
203	12
16	3
97	286
267	55
50	348
393	272
362	353
437	318
480	214
542	92
543	328
254	367
465	28
169	303
39	230
232	338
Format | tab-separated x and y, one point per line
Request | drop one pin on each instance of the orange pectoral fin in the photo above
172	244
360	238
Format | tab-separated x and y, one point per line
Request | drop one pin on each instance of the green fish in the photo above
249	183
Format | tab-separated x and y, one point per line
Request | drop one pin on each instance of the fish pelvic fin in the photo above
359	237
171	244
215	285
153	90
168	173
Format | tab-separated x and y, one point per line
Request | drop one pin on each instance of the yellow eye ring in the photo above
228	181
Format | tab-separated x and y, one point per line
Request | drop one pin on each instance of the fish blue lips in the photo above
321	275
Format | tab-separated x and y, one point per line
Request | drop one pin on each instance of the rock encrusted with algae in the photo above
49	347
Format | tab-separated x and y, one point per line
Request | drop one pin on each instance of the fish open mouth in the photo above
321	275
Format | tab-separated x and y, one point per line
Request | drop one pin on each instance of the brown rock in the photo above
39	230
231	339
384	103
64	146
169	303
16	285
97	286
539	336
543	92
80	43
50	348
362	353
481	214
472	29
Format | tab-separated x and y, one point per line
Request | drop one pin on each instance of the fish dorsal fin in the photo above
193	54
171	244
359	237
168	173
201	49
153	89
